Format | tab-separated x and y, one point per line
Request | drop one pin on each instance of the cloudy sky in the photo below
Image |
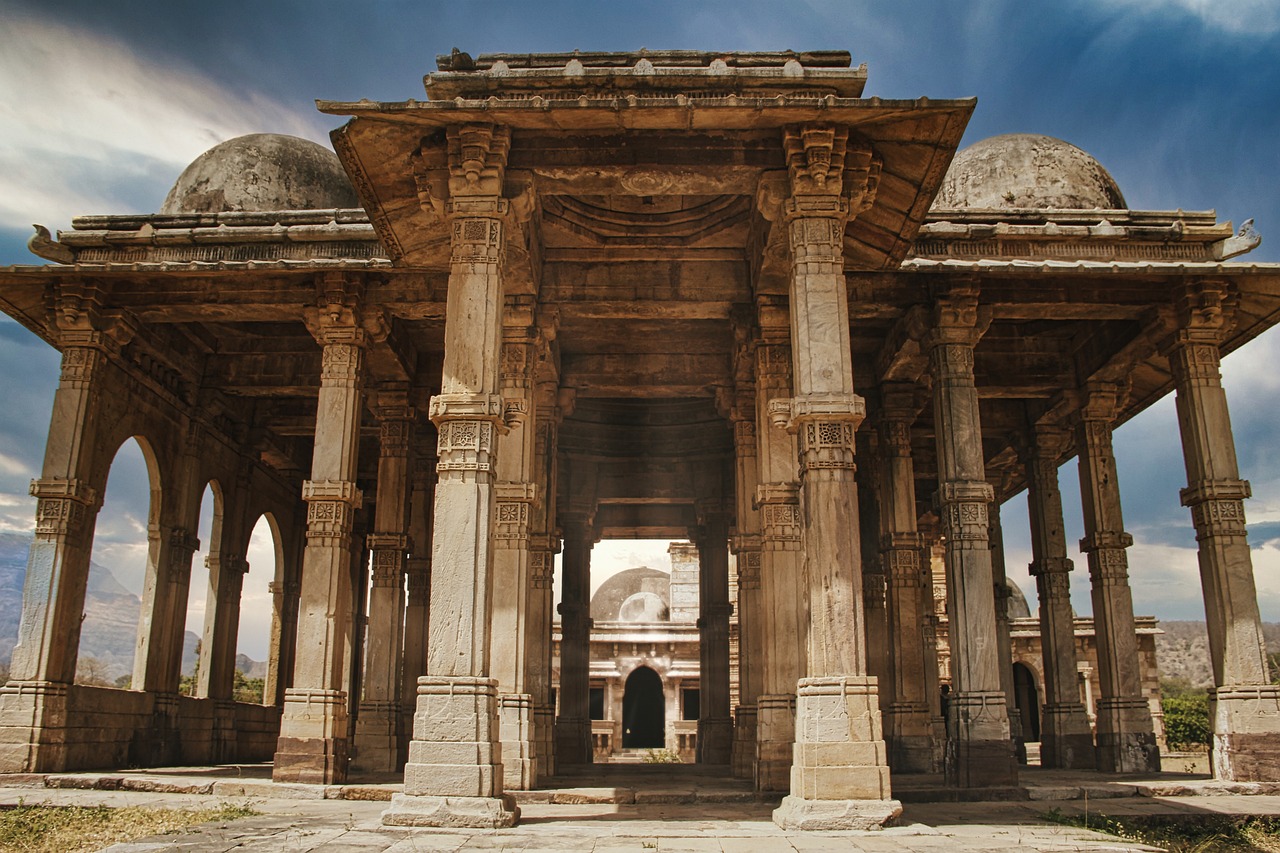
103	104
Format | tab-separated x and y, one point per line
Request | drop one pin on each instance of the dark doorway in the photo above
644	718
1028	701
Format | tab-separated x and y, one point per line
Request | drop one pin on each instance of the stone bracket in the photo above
1216	490
790	414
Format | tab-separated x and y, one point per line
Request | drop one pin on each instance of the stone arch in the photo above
201	595
644	710
123	563
257	627
1027	699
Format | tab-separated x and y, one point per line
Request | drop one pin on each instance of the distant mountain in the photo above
1182	651
109	632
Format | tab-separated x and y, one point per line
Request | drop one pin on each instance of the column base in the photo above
455	752
376	746
827	815
464	812
33	727
1246	738
839	751
1126	740
573	741
742	759
715	740
515	717
909	740
775	741
313	745
1066	743
979	752
544	741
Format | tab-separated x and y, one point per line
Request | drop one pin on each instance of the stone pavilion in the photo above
721	297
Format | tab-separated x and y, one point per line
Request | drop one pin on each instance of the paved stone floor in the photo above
611	811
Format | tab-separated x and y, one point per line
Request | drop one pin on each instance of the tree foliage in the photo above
1186	714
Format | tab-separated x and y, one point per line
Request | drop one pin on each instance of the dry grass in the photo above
73	829
1205	835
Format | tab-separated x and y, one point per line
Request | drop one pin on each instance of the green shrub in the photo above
1186	719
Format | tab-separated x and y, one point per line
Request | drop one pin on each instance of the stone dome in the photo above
262	171
643	591
1023	170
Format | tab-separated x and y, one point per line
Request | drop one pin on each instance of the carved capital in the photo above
388	561
541	569
1217	507
477	159
1205	311
466	446
815	157
779	505
964	510
331	506
63	506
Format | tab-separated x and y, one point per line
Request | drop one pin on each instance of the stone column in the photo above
376	746
1246	706
573	727
157	663
782	570
840	773
284	612
1125	736
516	496
418	597
1066	741
1000	588
715	725
543	546
909	597
979	752
226	564
33	704
454	773
746	545
313	745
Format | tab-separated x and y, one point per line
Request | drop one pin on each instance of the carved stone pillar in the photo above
313	745
215	676
376	746
979	752
157	662
715	724
1066	741
454	773
284	614
782	577
33	704
511	639
909	597
573	727
1126	742
1246	706
1000	588
746	546
418	578
840	775
543	546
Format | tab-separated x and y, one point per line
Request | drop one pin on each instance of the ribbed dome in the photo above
1023	170
262	171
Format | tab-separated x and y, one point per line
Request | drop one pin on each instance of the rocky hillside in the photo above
1182	651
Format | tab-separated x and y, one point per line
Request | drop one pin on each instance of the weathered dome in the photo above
1018	607
262	171
1023	170
628	586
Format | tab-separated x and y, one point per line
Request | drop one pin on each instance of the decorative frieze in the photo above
465	445
826	445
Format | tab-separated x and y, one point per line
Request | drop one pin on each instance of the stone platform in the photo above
290	823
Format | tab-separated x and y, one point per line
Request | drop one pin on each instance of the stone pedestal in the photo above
515	726
454	773
841	776
775	741
313	737
33	722
742	759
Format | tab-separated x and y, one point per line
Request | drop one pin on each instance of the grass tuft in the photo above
1209	834
73	829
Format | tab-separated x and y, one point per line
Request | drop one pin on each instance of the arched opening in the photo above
199	591
253	635
644	720
1028	700
125	542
